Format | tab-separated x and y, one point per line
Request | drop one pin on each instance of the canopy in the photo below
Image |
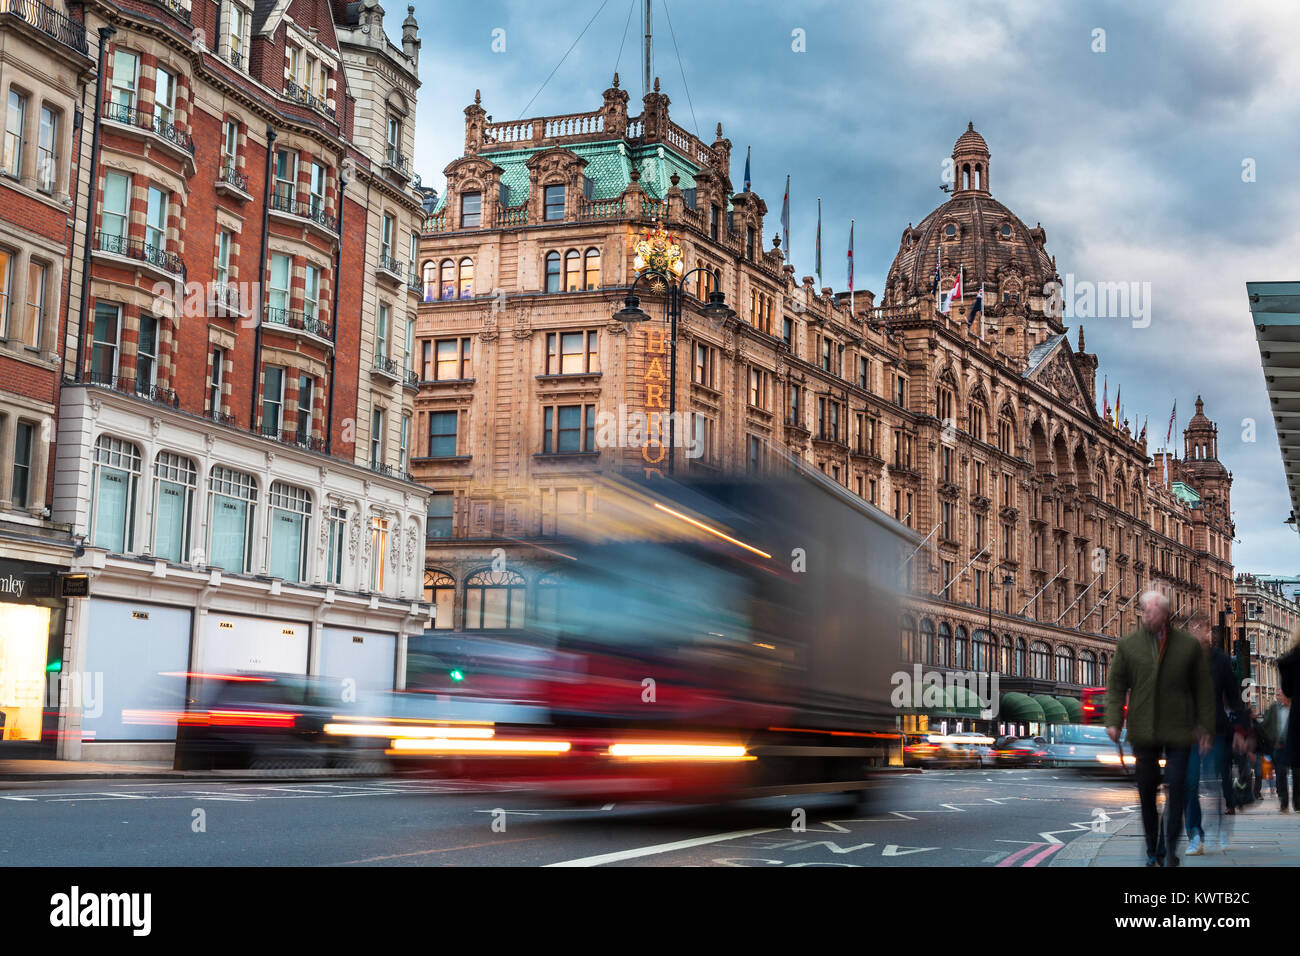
1020	707
1073	707
1053	712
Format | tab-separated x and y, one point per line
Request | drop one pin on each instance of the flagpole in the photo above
851	268
819	240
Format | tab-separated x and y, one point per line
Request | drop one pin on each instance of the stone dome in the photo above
975	232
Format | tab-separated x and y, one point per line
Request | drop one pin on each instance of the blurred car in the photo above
1085	747
937	750
1020	752
980	746
273	721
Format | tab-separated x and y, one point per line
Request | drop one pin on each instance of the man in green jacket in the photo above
1162	673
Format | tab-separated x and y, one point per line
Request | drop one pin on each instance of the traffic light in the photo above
456	674
1241	659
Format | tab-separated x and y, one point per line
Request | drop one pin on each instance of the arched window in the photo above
959	658
116	474
909	650
231	505
467	278
1006	434
494	600
1088	668
174	481
546	605
929	649
944	654
430	278
572	271
290	520
591	278
440	591
448	279
1040	661
1007	664
981	656
552	272
1065	665
1103	666
1021	662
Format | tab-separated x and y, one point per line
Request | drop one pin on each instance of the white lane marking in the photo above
17	798
993	857
895	850
603	858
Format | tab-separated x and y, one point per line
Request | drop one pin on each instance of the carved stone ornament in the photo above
354	535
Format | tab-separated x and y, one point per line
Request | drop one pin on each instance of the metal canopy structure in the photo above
1275	309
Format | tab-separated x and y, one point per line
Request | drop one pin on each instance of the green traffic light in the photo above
456	674
54	667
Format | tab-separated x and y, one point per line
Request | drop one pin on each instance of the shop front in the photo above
31	656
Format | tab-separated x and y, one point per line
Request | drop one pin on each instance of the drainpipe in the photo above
104	33
261	278
334	314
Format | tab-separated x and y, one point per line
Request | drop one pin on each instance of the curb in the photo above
1084	850
177	775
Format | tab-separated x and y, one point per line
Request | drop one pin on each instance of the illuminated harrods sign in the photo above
658	251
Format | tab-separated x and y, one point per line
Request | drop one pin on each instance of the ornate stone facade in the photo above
980	433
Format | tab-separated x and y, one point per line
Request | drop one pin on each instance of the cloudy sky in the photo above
1131	158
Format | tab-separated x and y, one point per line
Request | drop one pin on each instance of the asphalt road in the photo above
939	818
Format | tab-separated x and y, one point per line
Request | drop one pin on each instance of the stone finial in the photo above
410	36
776	241
656	84
615	79
719	131
1081	348
478	98
635	175
674	179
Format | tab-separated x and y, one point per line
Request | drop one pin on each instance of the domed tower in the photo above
1200	465
990	245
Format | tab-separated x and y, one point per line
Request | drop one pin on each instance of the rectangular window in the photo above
787	330
379	552
754	453
571	353
122	96
216	375
452	360
6	287
568	429
117	192
278	296
377	438
174	480
864	373
290	514
403	446
704	361
317	189
311	292
223	257
715	213
22	473
15	124
386	238
47	160
827	347
305	411
34	324
338	519
440	513
554	200
900	391
155	227
164	99
230	144
471	210
146	356
381	334
103	358
230	525
272	400
702	434
238	28
286	179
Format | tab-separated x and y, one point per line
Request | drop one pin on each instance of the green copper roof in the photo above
1185	493
609	166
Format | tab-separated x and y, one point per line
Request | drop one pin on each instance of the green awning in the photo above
1053	712
1020	707
958	701
1074	707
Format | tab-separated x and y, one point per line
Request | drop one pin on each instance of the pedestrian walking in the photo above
1288	668
1163	674
1275	729
1214	764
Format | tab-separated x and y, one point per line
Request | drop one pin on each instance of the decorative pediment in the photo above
1058	374
547	163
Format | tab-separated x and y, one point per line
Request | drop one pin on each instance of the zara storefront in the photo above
213	550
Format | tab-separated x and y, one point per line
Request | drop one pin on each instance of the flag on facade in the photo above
1105	397
746	169
819	240
1117	391
850	267
1143	436
785	218
1169	433
953	293
977	308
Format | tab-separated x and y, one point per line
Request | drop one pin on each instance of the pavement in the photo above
1260	835
54	770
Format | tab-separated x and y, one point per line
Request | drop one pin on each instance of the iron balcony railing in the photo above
132	386
391	264
285	201
388	366
221	418
412	379
139	249
236	58
130	116
298	321
49	21
392	471
399	162
176	9
229	174
225	298
305	97
291	436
